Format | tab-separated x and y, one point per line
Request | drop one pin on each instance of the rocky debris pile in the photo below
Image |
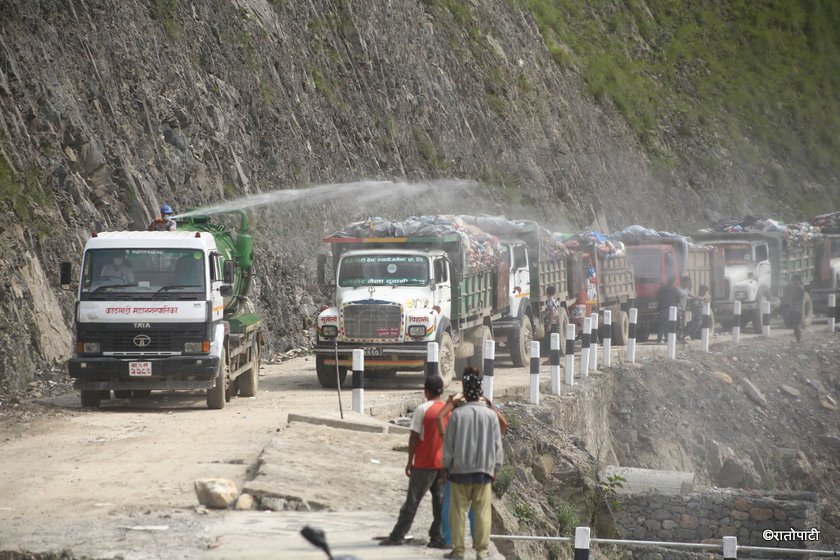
758	415
797	233
827	223
20	405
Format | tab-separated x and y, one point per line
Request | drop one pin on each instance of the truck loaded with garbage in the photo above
760	256
166	310
399	285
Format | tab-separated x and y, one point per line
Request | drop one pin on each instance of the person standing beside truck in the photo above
794	298
423	469
472	451
552	315
667	297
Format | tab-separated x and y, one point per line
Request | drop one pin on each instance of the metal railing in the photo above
729	547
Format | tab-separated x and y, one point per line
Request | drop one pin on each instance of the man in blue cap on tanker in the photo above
165	221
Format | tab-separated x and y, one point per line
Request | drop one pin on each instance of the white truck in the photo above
164	311
757	268
396	292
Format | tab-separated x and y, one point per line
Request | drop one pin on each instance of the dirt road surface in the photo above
119	481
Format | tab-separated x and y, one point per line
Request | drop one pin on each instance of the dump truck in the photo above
660	260
166	311
534	263
599	282
395	291
757	267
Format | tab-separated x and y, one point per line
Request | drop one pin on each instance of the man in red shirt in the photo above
423	469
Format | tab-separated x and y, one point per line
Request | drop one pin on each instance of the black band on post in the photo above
554	357
765	320
632	331
535	365
431	369
358	380
488	367
606	332
672	326
570	346
706	323
584	340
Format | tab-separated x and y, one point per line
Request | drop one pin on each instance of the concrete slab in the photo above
648	480
351	421
241	535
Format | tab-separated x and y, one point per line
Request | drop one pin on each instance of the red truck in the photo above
656	261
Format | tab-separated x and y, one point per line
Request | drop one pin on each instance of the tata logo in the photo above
141	325
142	340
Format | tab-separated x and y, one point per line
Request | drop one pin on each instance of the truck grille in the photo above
372	321
142	340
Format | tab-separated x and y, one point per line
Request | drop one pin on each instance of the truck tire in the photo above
216	395
807	311
91	399
756	314
480	336
326	373
446	359
520	346
620	328
249	381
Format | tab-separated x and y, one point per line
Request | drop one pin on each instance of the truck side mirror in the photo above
321	268
228	272
65	273
226	290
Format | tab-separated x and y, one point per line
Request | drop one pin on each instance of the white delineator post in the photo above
570	354
581	543
631	335
358	380
432	359
606	338
489	360
765	319
535	372
584	347
832	300
593	343
554	358
736	322
705	325
672	333
730	548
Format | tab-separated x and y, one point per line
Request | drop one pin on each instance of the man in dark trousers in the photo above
423	469
794	299
472	451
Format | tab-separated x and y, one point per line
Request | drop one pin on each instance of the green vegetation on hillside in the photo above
758	79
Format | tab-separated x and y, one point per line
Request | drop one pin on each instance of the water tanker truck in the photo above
399	286
166	311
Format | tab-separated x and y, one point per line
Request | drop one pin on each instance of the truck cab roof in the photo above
390	251
151	239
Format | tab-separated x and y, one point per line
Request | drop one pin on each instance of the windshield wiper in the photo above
174	287
111	287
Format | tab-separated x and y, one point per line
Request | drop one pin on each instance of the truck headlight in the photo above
196	347
329	331
417	331
91	347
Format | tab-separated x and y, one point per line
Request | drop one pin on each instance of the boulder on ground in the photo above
216	493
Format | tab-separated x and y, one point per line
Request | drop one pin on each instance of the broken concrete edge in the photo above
355	422
268	498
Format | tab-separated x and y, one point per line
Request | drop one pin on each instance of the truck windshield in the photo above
738	254
143	273
647	264
383	270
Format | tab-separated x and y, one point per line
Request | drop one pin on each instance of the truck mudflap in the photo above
171	372
377	356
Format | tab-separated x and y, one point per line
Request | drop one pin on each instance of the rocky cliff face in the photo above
110	107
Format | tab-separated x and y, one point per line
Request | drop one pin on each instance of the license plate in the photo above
653	305
139	369
373	351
